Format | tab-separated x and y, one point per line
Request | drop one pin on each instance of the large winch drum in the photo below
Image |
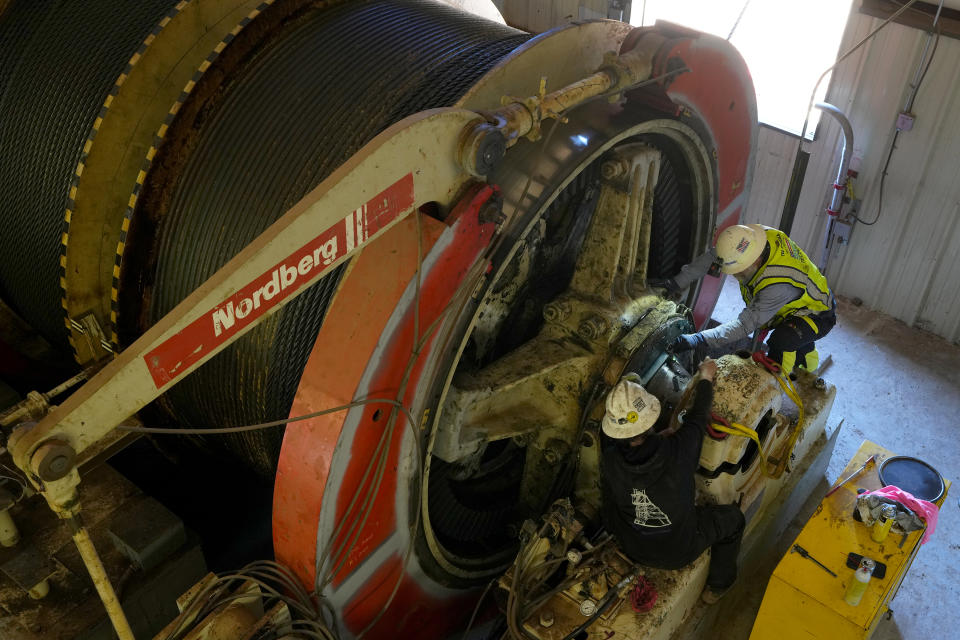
145	144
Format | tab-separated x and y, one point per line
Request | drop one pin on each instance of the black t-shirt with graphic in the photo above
648	490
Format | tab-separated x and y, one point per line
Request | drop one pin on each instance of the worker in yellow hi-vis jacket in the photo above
783	291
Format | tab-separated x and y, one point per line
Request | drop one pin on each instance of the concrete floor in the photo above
900	388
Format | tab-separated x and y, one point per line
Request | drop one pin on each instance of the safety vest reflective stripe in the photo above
797	276
788	264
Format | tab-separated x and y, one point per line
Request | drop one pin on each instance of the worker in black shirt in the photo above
648	486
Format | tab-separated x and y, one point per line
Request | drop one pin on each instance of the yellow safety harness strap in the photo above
788	387
736	429
786	384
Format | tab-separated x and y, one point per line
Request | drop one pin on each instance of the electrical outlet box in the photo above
905	121
841	233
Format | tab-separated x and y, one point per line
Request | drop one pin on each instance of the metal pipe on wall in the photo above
840	184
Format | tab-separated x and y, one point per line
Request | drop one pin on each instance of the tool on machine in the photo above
853	475
806	554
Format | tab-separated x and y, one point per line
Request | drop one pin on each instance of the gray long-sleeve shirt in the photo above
765	305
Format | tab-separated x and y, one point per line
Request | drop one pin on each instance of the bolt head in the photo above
546	618
611	169
54	460
592	328
490	147
492	212
556	311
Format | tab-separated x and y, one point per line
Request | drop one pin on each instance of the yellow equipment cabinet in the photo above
803	601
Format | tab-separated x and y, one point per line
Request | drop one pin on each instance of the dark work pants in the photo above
793	338
720	527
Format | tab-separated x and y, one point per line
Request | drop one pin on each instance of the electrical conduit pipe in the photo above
840	184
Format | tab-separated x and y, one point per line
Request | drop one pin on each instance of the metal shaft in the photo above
806	554
100	580
851	476
821	565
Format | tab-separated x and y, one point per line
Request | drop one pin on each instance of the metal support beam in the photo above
920	16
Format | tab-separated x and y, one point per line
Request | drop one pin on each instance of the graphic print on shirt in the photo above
647	513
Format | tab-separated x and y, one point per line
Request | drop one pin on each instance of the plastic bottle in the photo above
858	586
882	526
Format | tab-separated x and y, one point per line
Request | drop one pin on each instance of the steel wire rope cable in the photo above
58	63
893	143
385	437
378	475
311	97
414	355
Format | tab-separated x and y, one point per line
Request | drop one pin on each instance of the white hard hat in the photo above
631	410
739	246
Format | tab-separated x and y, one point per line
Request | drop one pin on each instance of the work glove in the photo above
686	342
668	284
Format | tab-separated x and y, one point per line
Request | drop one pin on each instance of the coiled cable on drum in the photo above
305	103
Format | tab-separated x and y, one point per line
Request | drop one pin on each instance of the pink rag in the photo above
926	510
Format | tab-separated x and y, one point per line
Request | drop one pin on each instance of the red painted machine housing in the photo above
329	498
719	92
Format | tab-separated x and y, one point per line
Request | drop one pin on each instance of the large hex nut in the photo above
53	460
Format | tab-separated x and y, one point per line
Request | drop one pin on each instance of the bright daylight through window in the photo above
786	46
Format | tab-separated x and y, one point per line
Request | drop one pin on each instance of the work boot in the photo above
712	595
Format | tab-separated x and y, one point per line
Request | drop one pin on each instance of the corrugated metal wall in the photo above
908	264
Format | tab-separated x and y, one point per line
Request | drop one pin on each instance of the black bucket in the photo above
914	476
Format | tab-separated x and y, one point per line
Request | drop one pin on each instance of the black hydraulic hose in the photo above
605	604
